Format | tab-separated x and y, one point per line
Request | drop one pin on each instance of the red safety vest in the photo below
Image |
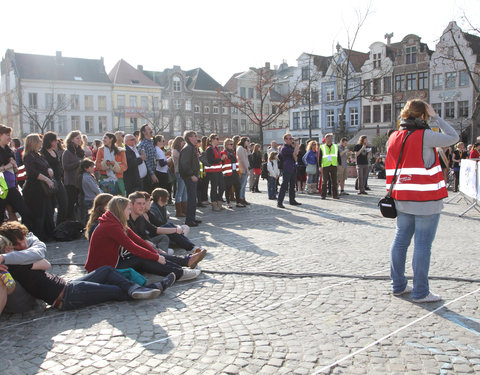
214	167
228	166
414	182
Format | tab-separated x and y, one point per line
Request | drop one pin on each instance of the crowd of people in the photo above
120	187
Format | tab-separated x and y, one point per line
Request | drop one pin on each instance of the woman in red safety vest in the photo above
230	172
214	172
418	192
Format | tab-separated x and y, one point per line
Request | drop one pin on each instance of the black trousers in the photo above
72	196
153	267
329	174
15	199
230	181
217	186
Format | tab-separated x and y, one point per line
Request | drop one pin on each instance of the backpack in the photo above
280	161
68	230
203	158
264	171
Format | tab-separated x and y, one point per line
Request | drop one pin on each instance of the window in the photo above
62	124
305	73
315	97
234	126
102	124
188	105
243	92
315	119
88	102
75	122
377	113
132	101
49	125
250	92
224	110
196	108
353	116
437	81
437	107
464	79
450	110
102	103
234	110
61	101
377	60
411	82
367	116
215	109
387	85
377	86
121	101
251	126
243	125
155	103
423	80
88	124
305	120
32	100
450	80
177	84
398	109
121	122
366	87
206	109
225	127
33	124
296	120
330	118
330	94
133	125
411	55
144	102
48	101
177	104
463	108
387	113
399	83
165	104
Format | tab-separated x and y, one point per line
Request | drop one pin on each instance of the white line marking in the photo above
393	333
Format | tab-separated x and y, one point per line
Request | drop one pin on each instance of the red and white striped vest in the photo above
214	167
414	182
228	166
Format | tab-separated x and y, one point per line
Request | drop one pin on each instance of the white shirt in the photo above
142	168
160	155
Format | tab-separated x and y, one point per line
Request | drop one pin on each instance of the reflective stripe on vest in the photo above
214	167
414	182
228	168
329	155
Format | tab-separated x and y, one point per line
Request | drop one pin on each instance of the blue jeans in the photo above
243	184
272	187
288	182
424	227
181	195
191	199
102	285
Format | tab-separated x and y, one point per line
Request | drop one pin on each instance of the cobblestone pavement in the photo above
253	324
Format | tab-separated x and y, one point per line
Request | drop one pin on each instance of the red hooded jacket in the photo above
107	239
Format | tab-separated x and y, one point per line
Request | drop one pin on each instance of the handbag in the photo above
108	186
311	169
387	203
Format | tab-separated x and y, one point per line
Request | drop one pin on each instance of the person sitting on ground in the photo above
156	210
114	244
99	207
102	285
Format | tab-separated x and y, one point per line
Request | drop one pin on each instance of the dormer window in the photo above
177	84
135	81
410	55
377	60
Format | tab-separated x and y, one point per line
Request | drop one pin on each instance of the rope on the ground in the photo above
307	275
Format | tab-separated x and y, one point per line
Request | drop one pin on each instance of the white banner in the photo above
468	178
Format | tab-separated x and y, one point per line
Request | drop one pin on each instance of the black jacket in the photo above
188	164
131	177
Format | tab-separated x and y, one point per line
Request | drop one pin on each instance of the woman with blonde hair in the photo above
120	136
37	197
418	191
114	244
310	161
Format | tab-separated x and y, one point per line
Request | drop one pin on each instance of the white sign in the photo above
468	178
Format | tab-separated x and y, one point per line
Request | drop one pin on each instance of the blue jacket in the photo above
310	158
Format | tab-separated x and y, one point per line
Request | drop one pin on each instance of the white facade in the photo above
451	90
88	106
377	73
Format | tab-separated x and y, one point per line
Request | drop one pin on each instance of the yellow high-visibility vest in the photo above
329	155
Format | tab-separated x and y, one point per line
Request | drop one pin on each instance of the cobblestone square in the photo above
226	322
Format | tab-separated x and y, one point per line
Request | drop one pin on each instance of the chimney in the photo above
389	38
267	65
140	67
58	57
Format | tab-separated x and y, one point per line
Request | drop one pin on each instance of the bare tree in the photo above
267	104
43	118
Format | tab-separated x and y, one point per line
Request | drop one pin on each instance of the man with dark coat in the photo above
136	168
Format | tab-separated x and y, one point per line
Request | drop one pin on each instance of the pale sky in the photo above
221	36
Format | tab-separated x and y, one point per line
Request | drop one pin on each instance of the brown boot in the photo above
215	206
184	208
220	205
178	210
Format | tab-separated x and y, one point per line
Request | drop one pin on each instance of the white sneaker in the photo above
189	274
408	289
430	298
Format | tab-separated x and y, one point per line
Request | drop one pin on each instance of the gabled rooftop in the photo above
125	74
